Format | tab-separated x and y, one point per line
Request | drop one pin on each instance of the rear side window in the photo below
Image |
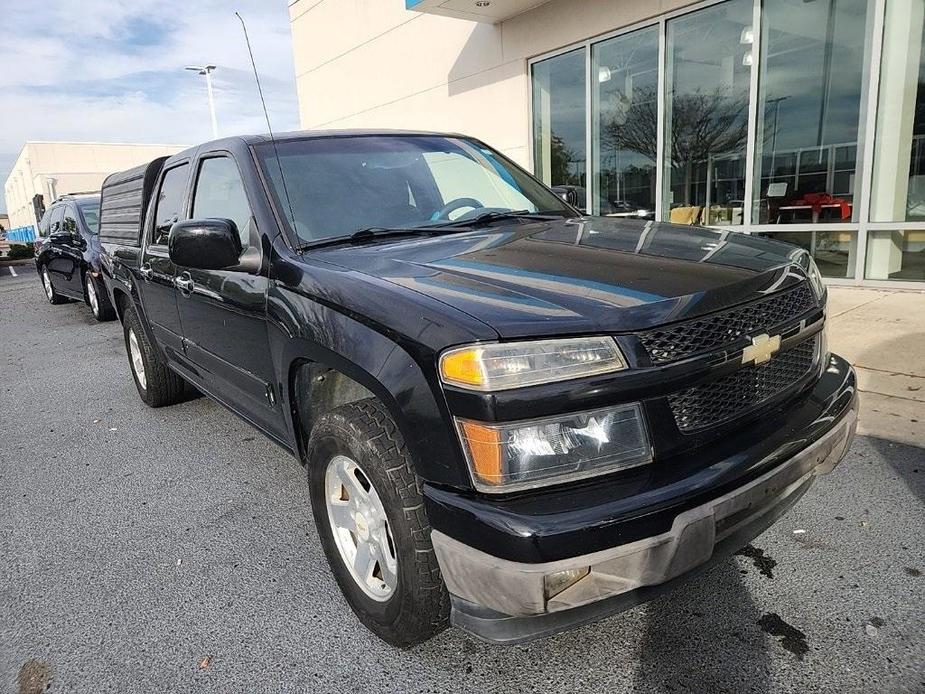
91	214
220	193
45	223
57	217
169	206
70	219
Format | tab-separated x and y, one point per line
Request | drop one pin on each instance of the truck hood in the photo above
583	275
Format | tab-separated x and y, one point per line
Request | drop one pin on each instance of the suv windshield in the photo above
91	213
338	185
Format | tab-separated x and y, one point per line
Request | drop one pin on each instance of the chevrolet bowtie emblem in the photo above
762	348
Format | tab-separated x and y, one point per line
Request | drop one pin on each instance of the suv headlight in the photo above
500	366
521	455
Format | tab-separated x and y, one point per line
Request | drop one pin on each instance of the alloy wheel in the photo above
92	298
361	529
138	364
46	282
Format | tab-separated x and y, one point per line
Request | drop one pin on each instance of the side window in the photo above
45	224
169	206
220	193
57	217
70	219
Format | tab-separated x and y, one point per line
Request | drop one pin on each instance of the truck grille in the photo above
715	402
703	334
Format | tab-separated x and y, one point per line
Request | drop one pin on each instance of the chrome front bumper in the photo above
496	598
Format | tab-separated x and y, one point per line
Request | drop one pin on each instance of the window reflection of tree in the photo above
561	156
703	126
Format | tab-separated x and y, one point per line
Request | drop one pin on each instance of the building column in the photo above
899	73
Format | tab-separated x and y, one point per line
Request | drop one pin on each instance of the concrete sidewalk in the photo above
882	333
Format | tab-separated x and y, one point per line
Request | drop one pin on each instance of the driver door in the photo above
223	312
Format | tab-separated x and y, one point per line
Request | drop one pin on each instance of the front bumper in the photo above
504	601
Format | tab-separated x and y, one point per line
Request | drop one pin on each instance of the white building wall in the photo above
372	63
55	168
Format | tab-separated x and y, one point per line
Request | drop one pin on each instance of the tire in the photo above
416	607
156	383
50	293
98	300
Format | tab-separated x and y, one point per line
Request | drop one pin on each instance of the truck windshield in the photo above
337	185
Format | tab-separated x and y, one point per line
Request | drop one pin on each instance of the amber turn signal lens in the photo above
484	445
463	367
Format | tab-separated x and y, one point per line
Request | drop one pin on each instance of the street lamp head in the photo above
201	69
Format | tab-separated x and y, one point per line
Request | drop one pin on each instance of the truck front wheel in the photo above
367	505
156	383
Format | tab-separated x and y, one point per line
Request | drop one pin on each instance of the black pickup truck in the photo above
514	417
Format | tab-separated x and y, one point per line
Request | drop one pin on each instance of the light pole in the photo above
207	71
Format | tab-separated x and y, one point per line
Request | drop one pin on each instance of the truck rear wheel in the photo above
368	508
156	383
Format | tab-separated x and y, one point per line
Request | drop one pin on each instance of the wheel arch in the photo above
319	380
121	300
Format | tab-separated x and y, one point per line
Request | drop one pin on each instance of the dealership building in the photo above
46	170
800	119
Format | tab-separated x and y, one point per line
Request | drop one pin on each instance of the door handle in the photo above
146	272
184	283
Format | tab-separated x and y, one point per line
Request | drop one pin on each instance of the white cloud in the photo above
104	70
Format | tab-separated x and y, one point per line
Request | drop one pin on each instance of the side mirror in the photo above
205	244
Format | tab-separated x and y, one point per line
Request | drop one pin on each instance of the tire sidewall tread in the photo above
164	386
365	431
105	311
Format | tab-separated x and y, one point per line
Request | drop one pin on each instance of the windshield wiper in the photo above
487	217
367	234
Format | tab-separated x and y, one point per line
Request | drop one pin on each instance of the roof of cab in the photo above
302	135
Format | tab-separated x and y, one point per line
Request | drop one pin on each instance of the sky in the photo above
108	71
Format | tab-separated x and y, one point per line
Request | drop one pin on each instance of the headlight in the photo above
521	455
500	366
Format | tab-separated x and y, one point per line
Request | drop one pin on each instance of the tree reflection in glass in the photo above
709	58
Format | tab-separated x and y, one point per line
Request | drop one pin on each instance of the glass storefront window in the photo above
895	255
709	58
809	109
559	125
833	251
898	183
624	124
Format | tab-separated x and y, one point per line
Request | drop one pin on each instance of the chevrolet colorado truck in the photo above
514	417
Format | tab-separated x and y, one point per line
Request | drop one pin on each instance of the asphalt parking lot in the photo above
171	550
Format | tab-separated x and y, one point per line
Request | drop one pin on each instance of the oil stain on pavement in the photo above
762	562
792	638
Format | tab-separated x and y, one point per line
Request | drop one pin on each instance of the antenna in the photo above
266	115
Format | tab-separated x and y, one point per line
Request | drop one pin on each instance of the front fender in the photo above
302	330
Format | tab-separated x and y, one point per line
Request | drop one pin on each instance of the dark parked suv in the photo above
513	416
67	254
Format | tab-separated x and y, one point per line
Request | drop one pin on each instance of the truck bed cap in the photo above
125	197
